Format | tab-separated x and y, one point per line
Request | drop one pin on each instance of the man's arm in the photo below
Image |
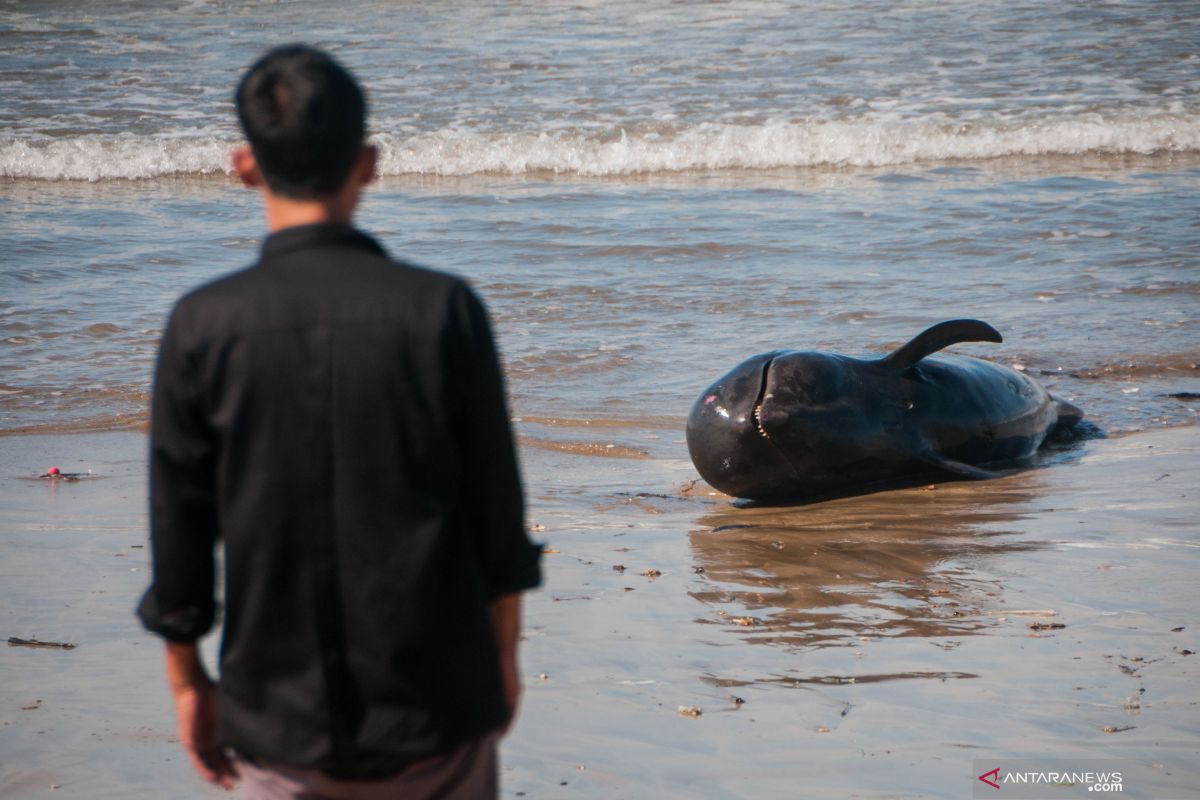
506	624
196	710
511	562
179	604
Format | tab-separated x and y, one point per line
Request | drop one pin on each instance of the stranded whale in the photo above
789	424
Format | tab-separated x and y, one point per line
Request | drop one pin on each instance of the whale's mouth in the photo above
756	415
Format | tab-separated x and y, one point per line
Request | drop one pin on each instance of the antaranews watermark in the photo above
1062	779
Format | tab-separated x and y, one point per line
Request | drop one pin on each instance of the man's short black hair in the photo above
305	118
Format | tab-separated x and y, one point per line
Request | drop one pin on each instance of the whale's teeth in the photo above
758	421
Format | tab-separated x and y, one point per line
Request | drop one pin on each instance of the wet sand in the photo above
880	644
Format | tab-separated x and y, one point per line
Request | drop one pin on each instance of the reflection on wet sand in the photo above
595	449
893	564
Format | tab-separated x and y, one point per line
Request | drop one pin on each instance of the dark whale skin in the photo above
793	425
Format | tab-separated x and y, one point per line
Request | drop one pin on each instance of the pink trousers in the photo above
467	773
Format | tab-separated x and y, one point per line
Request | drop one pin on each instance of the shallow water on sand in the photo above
619	301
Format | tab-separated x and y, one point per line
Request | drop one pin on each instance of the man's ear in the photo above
245	166
368	159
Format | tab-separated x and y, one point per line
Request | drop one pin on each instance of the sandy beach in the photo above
879	646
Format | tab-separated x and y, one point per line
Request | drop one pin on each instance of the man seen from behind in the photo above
338	421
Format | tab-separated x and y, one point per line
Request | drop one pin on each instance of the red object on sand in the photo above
52	471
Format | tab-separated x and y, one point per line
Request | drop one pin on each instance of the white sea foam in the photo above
94	158
649	148
772	145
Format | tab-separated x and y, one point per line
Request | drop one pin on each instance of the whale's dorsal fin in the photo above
941	335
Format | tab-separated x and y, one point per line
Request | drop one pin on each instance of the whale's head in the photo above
776	424
724	439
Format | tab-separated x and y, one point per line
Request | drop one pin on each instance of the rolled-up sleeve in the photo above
180	604
511	562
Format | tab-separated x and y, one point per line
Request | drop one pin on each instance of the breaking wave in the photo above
646	148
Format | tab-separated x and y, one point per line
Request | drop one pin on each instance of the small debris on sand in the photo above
618	567
822	729
652	573
551	551
1115	729
56	474
1046	626
14	641
690	711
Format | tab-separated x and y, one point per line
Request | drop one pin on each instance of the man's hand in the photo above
196	710
506	624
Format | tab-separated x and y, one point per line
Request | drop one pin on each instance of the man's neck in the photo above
285	212
289	212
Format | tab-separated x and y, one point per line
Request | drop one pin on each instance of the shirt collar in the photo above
320	234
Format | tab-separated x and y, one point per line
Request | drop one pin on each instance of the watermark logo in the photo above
1034	779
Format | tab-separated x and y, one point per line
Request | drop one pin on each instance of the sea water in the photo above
645	193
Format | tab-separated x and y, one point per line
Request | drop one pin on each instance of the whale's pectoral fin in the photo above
939	336
1069	414
959	468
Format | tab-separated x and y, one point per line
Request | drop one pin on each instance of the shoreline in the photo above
141	424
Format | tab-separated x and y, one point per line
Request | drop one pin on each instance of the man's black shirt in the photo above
338	419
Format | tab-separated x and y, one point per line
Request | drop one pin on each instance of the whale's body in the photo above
790	424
